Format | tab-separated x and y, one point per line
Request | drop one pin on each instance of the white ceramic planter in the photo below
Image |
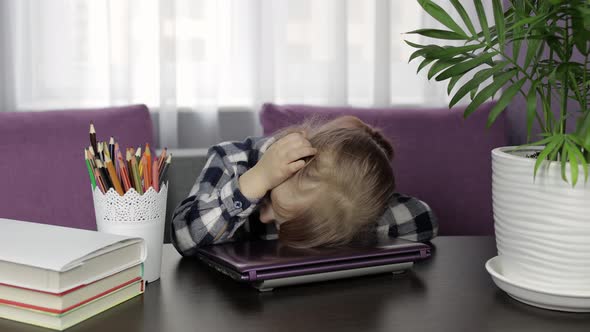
542	225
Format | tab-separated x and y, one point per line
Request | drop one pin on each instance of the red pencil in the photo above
124	174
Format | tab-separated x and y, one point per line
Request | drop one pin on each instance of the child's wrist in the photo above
253	184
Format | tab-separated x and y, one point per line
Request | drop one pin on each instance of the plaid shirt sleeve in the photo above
408	218
216	207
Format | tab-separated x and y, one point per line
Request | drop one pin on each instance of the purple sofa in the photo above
43	175
439	157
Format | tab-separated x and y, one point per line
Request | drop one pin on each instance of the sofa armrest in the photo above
184	170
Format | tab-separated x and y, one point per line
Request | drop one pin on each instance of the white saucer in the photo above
538	298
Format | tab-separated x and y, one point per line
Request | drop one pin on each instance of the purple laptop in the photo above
268	264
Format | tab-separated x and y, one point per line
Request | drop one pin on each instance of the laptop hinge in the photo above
251	275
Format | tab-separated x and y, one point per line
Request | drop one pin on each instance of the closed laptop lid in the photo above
262	255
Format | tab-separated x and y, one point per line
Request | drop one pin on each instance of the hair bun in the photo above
382	142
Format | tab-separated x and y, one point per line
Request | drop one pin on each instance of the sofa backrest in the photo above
440	157
43	176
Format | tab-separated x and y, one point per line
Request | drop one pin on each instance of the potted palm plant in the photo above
541	198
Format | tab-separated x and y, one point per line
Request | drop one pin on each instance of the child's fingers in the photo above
301	152
296	165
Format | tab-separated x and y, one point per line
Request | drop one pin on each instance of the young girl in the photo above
309	185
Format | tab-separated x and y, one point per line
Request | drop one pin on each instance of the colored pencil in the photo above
100	151
161	160
99	181
128	157
103	174
140	165
92	155
92	133
105	151
121	165
128	176
165	169
113	176
144	175
136	178
132	152
89	167
139	157
148	164
116	154
155	176
138	154
123	171
90	158
112	148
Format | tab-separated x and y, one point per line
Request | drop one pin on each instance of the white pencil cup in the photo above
138	216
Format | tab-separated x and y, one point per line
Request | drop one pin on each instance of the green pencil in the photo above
92	180
136	177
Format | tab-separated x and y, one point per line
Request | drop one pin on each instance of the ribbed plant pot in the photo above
542	224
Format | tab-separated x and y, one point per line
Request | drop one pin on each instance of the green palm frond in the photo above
533	28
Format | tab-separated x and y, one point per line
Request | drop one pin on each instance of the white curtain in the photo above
204	55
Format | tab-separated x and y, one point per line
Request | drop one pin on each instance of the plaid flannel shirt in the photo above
216	211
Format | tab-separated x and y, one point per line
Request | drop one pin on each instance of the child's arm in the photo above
408	218
236	176
216	206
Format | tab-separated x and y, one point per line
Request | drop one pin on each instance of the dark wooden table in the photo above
450	292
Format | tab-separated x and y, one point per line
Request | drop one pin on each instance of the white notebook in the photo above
55	259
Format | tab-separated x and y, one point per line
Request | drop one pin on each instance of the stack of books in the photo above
56	277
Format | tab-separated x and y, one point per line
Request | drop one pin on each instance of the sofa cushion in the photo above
43	175
440	157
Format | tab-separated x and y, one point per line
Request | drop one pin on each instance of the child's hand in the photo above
284	158
281	161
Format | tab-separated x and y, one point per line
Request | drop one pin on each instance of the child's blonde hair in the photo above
354	183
